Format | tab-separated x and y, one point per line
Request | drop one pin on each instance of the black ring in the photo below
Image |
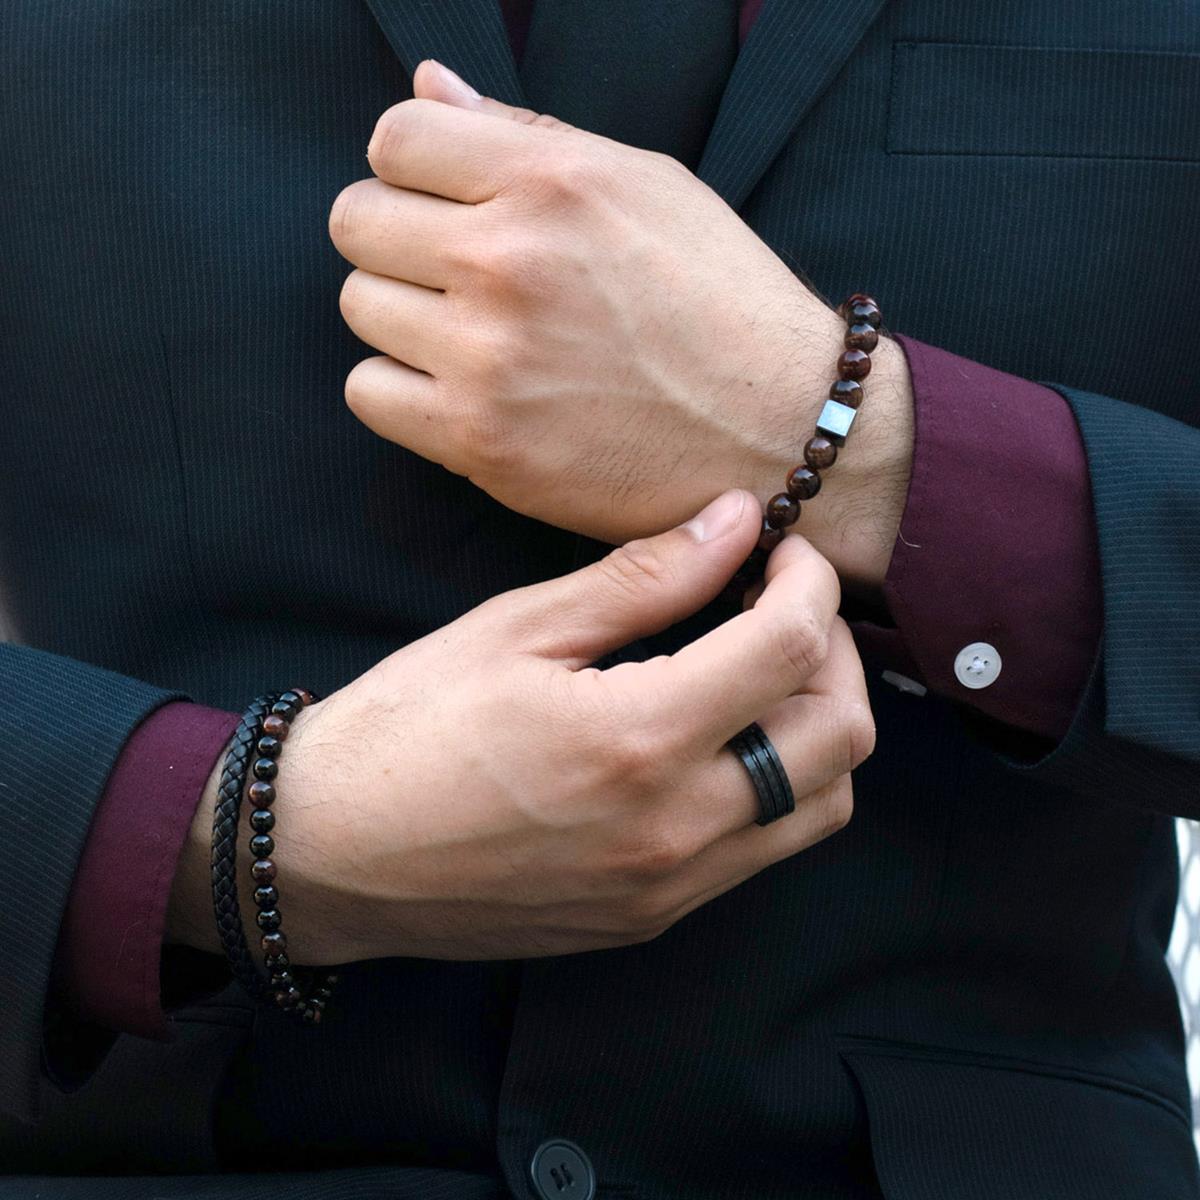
785	801
765	768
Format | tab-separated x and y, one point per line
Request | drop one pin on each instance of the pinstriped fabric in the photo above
467	35
169	293
53	764
919	1101
373	1183
791	56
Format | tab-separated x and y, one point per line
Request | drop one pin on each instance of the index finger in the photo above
427	146
740	670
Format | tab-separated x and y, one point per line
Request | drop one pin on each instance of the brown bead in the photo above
262	870
862	337
261	794
820	453
306	697
852	301
770	537
275	726
782	510
854	364
802	483
847	391
865	313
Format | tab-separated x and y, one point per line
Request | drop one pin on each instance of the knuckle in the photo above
635	755
390	134
860	733
358	391
638	567
351	301
650	858
567	176
837	807
345	216
803	641
485	440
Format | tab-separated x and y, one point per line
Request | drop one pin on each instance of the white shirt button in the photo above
977	665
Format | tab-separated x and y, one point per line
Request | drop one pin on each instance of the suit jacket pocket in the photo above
949	98
946	1123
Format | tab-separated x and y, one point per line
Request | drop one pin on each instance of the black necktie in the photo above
646	72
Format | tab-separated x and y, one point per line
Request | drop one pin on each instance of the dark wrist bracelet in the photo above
254	750
863	318
226	816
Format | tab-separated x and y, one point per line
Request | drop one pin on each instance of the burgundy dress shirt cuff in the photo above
107	970
995	576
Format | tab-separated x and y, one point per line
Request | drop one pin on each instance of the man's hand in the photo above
593	336
484	793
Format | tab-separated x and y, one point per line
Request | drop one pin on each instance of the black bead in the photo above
292	698
278	962
311	1016
265	768
269	920
269	746
266	896
273	943
288	998
282	979
285	710
262	845
323	993
262	820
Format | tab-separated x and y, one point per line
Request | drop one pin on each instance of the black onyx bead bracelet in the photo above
863	318
260	735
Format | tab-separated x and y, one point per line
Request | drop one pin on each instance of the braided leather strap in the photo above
226	815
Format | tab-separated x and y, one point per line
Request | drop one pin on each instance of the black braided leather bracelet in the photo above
226	815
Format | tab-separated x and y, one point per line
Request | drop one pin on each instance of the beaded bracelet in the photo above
263	728
307	1003
226	816
863	319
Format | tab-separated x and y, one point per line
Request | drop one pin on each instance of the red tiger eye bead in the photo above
864	313
803	483
782	510
851	301
306	697
261	794
820	453
263	870
769	538
275	726
847	391
854	364
862	337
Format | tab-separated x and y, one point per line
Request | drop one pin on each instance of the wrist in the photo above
855	518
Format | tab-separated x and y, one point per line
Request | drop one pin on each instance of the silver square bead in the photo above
835	421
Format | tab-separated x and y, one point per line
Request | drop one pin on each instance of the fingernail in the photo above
455	82
718	517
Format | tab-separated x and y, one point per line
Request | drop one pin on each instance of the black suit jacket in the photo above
964	992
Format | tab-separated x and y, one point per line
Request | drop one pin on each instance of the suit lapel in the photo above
792	55
467	35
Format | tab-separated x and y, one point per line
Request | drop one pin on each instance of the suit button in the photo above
561	1171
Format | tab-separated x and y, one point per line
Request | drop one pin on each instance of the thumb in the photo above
644	586
434	81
